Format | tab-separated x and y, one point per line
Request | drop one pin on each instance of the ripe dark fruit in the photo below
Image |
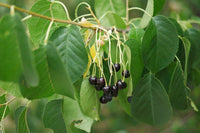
124	85
98	88
106	89
114	90
101	81
126	74
108	97
116	67
119	84
129	99
93	80
103	100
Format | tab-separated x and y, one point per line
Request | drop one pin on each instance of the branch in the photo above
8	102
57	20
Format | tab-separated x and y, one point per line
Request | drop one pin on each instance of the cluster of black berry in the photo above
109	91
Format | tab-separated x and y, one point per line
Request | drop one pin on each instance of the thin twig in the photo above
93	15
8	102
59	20
42	16
127	11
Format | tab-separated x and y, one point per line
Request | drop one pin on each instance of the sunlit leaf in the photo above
38	26
89	100
72	114
115	6
15	53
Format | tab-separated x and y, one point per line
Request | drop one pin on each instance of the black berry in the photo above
93	80
101	82
126	74
129	99
103	100
124	85
114	91
116	67
108	97
98	88
119	84
106	89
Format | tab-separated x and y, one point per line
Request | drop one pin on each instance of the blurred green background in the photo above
113	119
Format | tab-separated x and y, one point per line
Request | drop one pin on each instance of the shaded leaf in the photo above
187	46
160	44
158	5
53	117
21	120
71	49
45	88
177	88
177	26
193	35
137	64
123	94
165	75
59	75
150	103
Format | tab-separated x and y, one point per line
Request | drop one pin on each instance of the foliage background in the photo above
113	119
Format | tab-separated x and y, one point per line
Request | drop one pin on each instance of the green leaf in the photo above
38	26
3	109
53	117
72	113
177	89
193	35
15	53
73	129
59	75
177	26
193	105
45	88
187	46
150	103
123	94
146	18
77	89
136	34
112	19
11	87
165	75
21	120
158	5
137	64
72	50
160	44
195	76
89	100
115	6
